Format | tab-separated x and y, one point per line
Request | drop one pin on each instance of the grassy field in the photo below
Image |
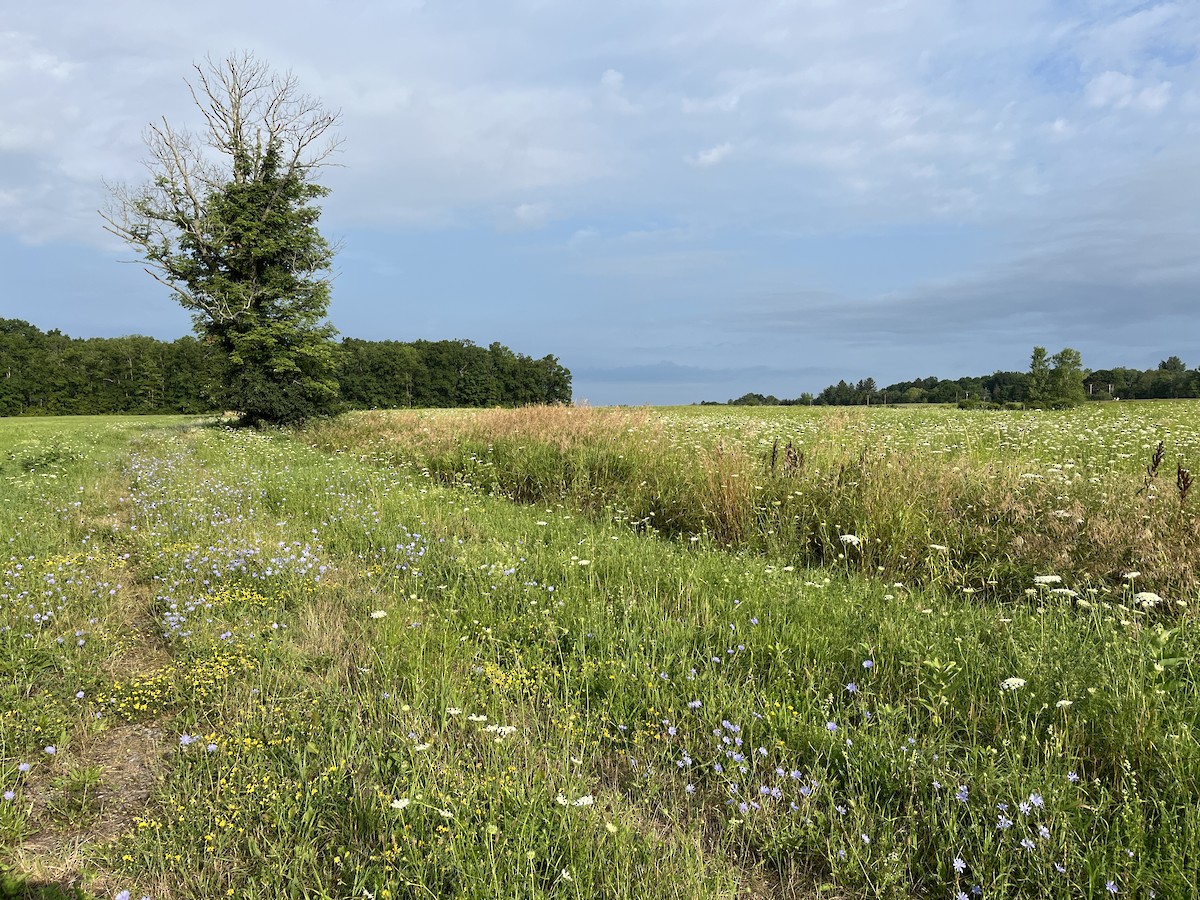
350	665
974	501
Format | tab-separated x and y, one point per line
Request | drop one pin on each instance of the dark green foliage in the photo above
49	373
1066	378
277	352
237	241
1052	381
1038	389
388	374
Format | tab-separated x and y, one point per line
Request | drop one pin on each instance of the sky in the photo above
681	200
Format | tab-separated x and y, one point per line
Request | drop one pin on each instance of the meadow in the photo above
602	653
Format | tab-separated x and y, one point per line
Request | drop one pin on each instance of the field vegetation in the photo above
690	662
975	501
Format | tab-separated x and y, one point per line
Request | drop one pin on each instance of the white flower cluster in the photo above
585	800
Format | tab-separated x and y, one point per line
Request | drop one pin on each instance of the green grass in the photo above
976	501
345	678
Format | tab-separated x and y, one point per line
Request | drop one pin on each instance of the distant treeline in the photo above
50	373
1171	378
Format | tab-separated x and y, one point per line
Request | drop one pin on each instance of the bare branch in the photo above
249	113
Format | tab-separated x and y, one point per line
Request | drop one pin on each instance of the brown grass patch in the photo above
90	799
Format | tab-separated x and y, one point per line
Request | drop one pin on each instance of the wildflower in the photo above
453	711
959	865
1047	579
1036	799
379	614
868	663
477	718
23	767
9	795
122	895
585	800
1110	886
565	875
445	814
610	827
1063	704
1129	576
694	704
1027	843
50	751
851	540
852	688
79	695
1012	684
961	796
185	740
866	840
831	726
1072	777
400	803
1146	599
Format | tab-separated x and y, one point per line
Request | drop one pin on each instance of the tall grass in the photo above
852	495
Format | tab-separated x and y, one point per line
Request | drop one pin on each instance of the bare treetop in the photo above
262	128
249	107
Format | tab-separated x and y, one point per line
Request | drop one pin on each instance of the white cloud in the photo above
882	112
722	103
1119	90
612	88
1154	97
532	215
707	158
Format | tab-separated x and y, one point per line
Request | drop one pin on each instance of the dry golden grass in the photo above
564	427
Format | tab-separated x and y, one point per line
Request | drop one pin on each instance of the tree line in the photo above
50	373
1052	380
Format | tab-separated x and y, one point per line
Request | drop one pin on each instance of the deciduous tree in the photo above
228	223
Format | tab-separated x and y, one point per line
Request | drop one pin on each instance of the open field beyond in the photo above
603	653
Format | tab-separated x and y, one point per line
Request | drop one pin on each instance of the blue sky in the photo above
680	200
